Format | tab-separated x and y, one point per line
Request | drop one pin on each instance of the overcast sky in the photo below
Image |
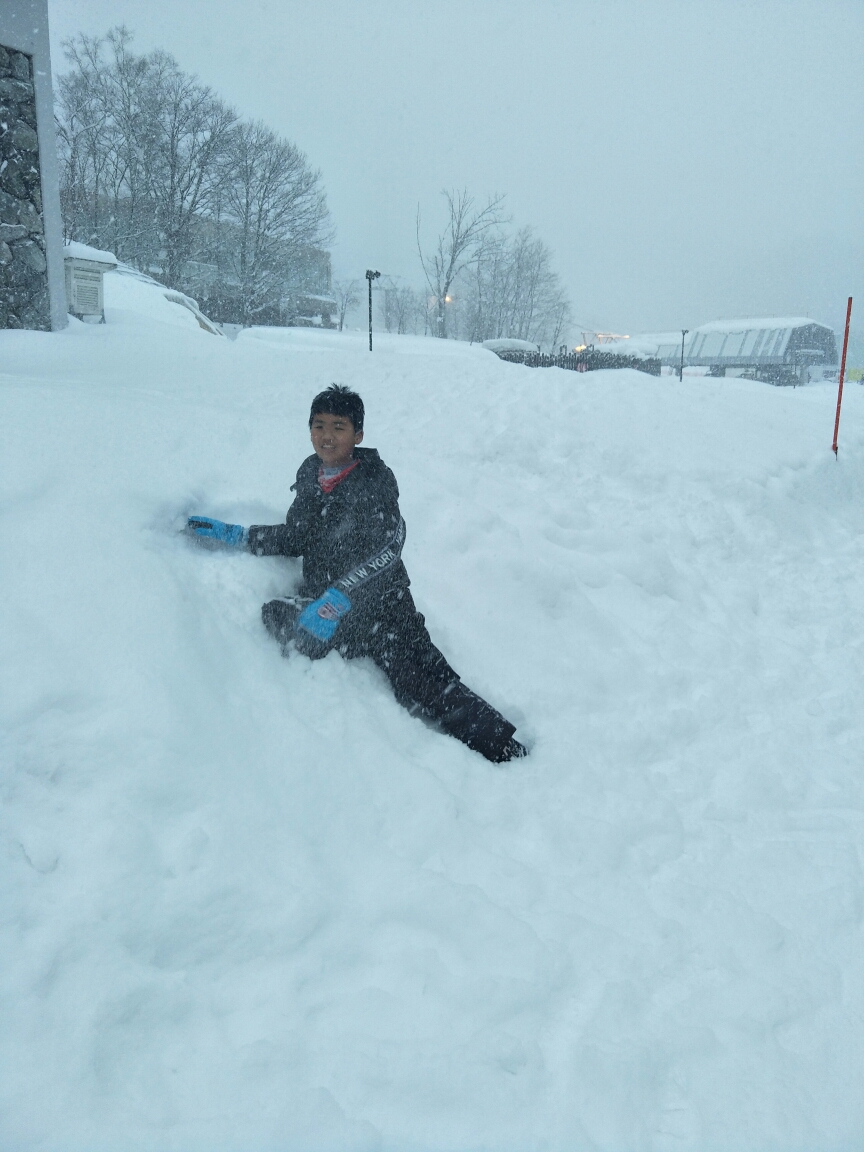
684	160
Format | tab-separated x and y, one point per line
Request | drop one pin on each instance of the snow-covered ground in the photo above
251	904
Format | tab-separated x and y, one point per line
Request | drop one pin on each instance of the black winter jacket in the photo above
336	532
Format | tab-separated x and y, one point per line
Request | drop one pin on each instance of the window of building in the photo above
712	345
768	343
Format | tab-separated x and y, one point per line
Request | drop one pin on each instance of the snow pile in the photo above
357	340
134	299
251	903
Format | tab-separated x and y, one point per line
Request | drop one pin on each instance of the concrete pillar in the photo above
32	292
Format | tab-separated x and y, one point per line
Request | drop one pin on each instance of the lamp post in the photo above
684	332
370	276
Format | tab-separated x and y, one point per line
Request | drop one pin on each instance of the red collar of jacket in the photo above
329	483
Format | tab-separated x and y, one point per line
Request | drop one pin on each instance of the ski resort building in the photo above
778	350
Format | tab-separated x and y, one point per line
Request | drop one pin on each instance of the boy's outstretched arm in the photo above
288	539
206	530
262	539
275	540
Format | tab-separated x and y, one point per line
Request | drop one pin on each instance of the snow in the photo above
136	300
252	903
357	340
79	251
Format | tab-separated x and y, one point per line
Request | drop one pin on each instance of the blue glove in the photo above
206	529
321	617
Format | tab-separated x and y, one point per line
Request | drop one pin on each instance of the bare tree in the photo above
271	206
408	307
157	168
140	144
192	128
560	317
347	296
512	291
457	247
105	151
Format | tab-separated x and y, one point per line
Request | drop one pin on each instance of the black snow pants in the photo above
422	680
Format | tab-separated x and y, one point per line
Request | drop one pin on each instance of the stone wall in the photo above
24	299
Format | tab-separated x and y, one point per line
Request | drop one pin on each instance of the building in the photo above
779	350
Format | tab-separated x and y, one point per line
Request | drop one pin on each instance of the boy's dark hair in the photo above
338	400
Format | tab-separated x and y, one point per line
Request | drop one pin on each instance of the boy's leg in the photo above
422	679
476	723
402	647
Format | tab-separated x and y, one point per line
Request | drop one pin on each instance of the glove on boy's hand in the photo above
321	618
206	529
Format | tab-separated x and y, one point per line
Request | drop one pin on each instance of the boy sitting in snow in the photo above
355	596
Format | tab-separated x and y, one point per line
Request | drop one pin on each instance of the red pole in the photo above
842	374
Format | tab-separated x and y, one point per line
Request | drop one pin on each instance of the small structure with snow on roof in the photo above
84	267
510	344
779	350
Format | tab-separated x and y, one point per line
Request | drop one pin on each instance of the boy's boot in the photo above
470	719
512	750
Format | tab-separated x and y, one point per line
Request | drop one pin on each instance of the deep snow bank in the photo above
250	903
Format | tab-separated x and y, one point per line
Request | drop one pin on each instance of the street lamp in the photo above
370	276
684	332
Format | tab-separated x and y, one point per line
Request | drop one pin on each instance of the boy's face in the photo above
334	438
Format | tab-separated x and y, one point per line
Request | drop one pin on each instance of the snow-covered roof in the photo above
78	251
748	325
510	345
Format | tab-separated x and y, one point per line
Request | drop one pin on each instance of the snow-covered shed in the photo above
85	268
510	344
